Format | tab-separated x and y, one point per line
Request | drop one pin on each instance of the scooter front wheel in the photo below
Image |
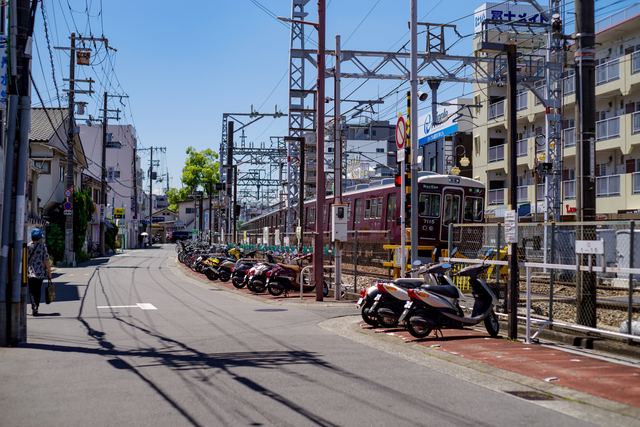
492	324
224	276
275	291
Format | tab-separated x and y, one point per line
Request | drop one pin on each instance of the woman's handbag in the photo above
50	292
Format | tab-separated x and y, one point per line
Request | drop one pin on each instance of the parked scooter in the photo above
286	278
393	300
240	270
436	307
256	278
371	297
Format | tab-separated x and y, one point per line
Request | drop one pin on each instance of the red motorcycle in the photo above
286	278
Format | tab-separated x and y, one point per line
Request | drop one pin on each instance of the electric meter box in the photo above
339	220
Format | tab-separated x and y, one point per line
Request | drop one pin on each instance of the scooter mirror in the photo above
295	252
446	265
417	263
489	252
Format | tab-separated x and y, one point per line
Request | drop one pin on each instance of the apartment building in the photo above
617	142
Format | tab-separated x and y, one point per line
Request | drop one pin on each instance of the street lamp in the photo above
318	268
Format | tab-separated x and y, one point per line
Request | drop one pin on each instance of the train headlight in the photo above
431	228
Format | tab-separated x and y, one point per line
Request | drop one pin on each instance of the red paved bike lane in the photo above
613	381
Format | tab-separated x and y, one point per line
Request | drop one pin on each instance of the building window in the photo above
43	165
329	149
190	210
62	174
380	150
432	164
116	174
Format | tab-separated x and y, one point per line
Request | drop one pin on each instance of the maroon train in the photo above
443	200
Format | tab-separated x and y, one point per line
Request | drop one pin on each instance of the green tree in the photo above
55	241
200	166
82	212
175	195
110	237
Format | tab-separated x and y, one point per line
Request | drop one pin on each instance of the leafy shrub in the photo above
55	241
82	256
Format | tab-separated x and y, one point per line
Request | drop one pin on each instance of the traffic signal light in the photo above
407	205
237	210
398	181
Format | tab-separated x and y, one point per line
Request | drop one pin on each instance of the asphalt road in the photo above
131	341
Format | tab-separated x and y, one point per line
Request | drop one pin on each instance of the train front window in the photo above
473	209
451	209
430	205
379	214
367	208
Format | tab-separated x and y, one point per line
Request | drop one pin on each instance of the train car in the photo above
442	200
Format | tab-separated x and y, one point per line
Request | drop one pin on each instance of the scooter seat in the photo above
444	290
292	267
409	282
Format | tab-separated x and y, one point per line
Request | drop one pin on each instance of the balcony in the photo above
569	188
620	16
521	148
496	197
523	193
521	101
608	186
636	182
569	137
636	122
607	129
607	72
569	85
496	110
496	153
542	90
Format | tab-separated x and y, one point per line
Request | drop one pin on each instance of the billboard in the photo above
448	119
507	12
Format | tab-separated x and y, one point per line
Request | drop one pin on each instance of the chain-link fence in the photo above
603	299
366	256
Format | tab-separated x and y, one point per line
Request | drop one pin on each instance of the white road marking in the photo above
142	305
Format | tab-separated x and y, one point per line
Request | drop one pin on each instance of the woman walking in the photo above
39	268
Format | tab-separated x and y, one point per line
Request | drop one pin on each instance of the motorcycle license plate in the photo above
408	304
359	302
407	307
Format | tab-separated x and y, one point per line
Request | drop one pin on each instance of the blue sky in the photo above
184	64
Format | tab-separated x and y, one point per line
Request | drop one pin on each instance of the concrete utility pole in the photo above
585	152
103	184
229	180
68	237
514	290
13	282
337	167
151	149
413	137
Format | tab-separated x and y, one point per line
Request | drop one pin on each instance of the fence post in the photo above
552	273
631	255
498	268
355	263
450	243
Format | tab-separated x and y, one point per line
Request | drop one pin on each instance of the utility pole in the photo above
103	184
337	167
585	153
68	236
229	180
412	139
13	280
151	164
318	246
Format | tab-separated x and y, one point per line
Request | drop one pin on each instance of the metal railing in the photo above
521	148
608	71
636	122
496	197
636	182
569	189
496	110
570	137
569	85
608	128
523	193
635	62
540	192
613	19
542	90
521	101
608	186
496	153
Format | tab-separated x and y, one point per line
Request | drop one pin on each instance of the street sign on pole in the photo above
67	206
67	192
401	133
